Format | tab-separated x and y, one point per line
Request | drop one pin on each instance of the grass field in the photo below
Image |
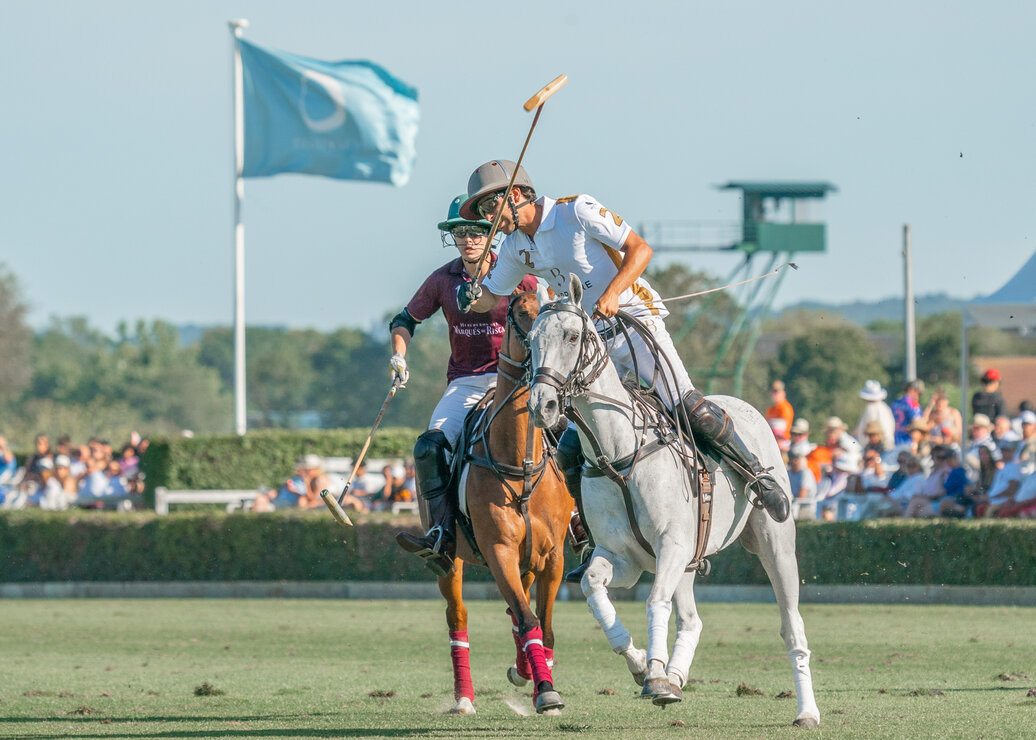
372	669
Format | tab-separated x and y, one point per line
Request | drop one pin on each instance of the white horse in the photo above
573	371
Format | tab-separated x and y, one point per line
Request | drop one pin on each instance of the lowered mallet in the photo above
536	101
335	505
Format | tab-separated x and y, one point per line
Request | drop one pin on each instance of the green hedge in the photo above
260	458
309	546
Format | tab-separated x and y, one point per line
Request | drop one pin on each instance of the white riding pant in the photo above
460	395
671	367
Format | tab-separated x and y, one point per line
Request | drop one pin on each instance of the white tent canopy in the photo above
1011	307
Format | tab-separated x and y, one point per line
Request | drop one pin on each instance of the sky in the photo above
116	164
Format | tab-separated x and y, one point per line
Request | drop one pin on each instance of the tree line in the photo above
71	378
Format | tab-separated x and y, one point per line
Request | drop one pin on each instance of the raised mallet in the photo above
335	505
536	101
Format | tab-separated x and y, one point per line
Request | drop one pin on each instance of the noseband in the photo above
590	363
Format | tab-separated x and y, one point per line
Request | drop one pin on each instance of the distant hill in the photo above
889	309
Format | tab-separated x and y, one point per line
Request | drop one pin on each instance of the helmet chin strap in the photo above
514	210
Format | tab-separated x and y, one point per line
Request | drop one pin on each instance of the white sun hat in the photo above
872	391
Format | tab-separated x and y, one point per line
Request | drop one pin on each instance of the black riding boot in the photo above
713	423
438	545
569	458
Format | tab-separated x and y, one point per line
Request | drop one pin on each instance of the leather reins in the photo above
530	472
591	361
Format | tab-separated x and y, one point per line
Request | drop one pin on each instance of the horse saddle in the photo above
706	460
470	433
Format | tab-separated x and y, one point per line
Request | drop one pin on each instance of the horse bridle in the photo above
590	363
530	472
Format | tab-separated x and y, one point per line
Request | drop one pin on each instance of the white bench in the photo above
233	499
398	506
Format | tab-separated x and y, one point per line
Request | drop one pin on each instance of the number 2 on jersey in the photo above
615	217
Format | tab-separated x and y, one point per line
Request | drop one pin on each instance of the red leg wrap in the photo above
532	642
548	653
461	666
521	663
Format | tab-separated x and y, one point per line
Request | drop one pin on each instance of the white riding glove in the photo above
399	369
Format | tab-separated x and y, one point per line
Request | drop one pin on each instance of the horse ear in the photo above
542	296
575	289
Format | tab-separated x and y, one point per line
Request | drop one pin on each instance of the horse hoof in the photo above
549	701
463	706
807	722
654	687
675	694
516	678
640	677
661	691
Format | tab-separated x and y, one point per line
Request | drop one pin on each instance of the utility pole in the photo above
910	362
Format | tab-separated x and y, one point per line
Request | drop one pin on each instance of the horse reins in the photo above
530	472
593	353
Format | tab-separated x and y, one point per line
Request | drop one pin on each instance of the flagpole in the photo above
237	27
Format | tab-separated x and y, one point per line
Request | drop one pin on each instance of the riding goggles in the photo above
462	232
488	204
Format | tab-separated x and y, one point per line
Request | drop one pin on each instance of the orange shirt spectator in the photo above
780	415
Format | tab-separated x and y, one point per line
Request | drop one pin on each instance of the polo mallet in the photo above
335	505
536	101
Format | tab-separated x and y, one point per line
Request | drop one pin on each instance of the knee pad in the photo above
706	417
431	464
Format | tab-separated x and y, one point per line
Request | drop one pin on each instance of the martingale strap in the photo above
611	469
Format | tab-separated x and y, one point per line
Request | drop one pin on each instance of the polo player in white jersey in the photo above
576	234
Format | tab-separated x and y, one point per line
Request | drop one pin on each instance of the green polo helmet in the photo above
489	178
453	217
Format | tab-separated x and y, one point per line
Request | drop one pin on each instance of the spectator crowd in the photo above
91	475
368	491
912	460
907	458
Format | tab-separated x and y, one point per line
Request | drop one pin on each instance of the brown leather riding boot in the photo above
717	428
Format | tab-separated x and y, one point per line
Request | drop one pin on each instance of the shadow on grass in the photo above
343	731
83	723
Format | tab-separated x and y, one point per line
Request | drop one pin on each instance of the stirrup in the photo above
576	574
778	507
434	558
753	496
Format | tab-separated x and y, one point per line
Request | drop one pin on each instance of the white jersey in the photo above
576	235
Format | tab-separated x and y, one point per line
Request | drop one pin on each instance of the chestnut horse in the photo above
506	471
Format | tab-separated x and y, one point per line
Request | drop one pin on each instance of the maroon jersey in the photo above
475	338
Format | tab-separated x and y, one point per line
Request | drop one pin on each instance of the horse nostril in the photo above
551	405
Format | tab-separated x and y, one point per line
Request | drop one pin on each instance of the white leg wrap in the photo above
683	654
803	683
604	612
658	613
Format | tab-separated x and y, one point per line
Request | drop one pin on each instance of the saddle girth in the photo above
700	479
530	472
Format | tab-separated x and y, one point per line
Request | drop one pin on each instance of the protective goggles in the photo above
488	204
470	232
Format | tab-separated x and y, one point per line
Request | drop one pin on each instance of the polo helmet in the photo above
491	177
454	218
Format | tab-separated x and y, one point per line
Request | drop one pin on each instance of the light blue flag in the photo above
348	120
